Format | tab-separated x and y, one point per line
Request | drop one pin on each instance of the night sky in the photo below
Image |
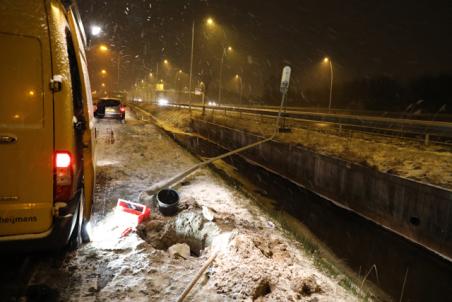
401	39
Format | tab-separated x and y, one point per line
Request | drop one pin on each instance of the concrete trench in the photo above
417	211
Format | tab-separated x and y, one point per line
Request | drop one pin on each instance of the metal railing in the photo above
424	131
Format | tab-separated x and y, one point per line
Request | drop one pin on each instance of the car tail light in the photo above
122	109
63	175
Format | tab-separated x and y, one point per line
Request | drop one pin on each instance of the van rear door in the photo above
26	130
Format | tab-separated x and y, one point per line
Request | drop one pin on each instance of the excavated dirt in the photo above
257	265
189	227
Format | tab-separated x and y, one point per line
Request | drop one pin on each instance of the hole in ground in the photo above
187	227
263	288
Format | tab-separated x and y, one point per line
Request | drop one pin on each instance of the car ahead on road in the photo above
46	127
110	108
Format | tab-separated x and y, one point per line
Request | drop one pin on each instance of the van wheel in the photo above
85	233
76	239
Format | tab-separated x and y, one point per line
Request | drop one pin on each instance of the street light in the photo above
239	78
210	21
96	30
223	55
103	48
328	60
103	72
165	62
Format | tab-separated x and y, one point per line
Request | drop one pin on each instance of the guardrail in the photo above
419	130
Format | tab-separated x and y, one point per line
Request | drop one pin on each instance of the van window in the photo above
21	96
75	78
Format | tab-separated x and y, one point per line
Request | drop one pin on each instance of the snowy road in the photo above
260	263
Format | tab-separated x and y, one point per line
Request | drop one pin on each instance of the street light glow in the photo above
103	48
326	60
103	71
151	75
96	30
210	21
165	61
237	76
229	48
103	84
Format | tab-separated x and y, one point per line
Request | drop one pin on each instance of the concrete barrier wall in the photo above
418	211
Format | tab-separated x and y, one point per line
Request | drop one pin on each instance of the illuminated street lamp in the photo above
239	78
103	84
165	62
210	21
103	48
96	30
103	72
327	60
223	55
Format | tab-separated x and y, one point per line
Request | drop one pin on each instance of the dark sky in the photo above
398	38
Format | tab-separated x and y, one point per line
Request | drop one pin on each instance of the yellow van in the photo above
46	127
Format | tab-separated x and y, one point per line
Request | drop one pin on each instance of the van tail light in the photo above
122	109
63	175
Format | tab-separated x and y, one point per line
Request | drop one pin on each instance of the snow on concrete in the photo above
430	164
260	263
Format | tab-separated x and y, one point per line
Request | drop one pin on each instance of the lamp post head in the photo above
96	30
326	60
165	61
210	21
229	48
103	48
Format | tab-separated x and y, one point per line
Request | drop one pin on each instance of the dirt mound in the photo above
272	248
306	286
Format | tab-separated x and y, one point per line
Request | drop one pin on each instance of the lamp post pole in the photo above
330	62
331	86
220	84
241	91
191	64
239	78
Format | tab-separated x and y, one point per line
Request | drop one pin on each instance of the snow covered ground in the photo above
430	164
260	263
